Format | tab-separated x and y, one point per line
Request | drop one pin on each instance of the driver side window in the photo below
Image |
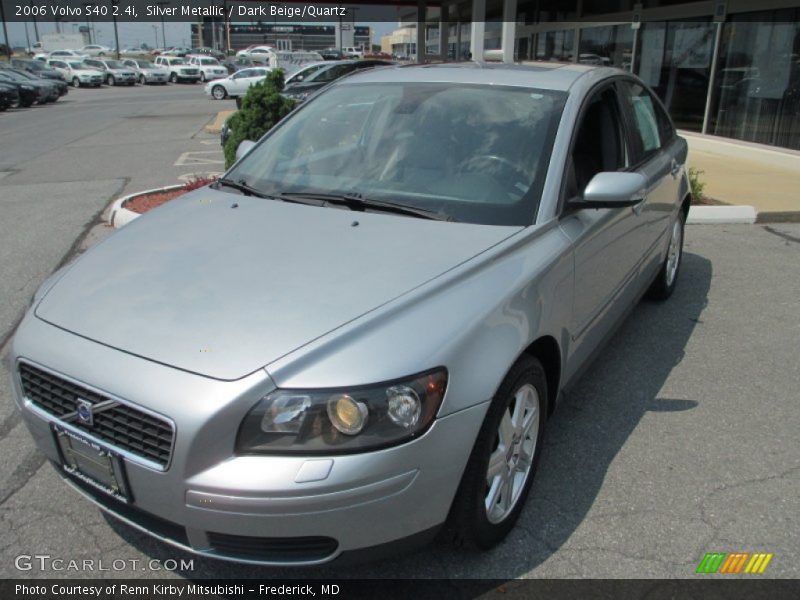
598	146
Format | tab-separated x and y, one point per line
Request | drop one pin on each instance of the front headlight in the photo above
342	420
28	88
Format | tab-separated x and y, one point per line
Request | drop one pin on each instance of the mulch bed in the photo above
141	204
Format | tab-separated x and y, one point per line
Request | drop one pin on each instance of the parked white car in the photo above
210	67
96	50
352	52
76	73
178	68
236	85
259	54
44	56
147	71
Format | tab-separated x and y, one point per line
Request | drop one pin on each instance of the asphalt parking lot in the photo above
680	439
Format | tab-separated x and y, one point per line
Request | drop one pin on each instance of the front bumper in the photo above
280	510
156	77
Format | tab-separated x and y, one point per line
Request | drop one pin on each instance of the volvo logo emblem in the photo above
84	411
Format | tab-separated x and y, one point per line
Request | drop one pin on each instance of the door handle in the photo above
676	169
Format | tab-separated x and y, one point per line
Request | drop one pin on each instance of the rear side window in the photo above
651	124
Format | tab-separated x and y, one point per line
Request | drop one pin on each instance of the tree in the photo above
262	107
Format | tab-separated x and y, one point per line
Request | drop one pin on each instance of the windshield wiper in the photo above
359	203
248	190
241	186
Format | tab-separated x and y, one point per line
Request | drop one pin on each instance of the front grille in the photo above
191	71
296	549
120	425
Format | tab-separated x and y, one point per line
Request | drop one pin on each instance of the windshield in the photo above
176	61
477	153
209	61
114	64
77	65
145	64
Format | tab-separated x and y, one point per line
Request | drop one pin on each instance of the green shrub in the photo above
696	184
262	107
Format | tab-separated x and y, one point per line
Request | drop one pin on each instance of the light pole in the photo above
114	4
5	30
35	26
155	35
163	30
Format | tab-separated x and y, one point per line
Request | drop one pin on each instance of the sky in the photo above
133	34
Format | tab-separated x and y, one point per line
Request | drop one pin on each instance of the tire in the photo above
110	80
173	77
26	104
102	54
218	92
666	280
142	80
76	83
471	523
202	77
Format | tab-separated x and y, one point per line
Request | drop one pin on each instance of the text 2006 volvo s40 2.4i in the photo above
356	336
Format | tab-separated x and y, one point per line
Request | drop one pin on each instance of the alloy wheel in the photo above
674	252
511	461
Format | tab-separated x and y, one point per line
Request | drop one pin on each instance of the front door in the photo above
607	243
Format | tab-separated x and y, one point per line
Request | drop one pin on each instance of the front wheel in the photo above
173	77
203	77
503	462
76	82
111	81
219	92
142	80
664	283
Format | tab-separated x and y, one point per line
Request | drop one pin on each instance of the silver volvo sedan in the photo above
355	337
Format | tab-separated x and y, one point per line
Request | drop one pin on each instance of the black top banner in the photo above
192	11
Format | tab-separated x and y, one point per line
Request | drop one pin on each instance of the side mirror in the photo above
244	148
613	190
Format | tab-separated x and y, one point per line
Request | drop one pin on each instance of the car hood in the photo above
222	284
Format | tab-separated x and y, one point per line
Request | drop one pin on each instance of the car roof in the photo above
539	75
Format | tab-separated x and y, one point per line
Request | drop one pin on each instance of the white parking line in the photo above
200	157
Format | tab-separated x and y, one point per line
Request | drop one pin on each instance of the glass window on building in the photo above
610	46
556	45
675	60
757	87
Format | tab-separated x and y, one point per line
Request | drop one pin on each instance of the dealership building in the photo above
283	36
726	68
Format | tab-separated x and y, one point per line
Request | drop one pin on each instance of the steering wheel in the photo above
489	159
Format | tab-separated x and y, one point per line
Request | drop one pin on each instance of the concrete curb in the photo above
119	216
717	215
219	121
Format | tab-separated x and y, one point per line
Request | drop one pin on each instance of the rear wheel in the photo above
142	80
202	76
110	80
503	462
219	92
76	82
664	283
